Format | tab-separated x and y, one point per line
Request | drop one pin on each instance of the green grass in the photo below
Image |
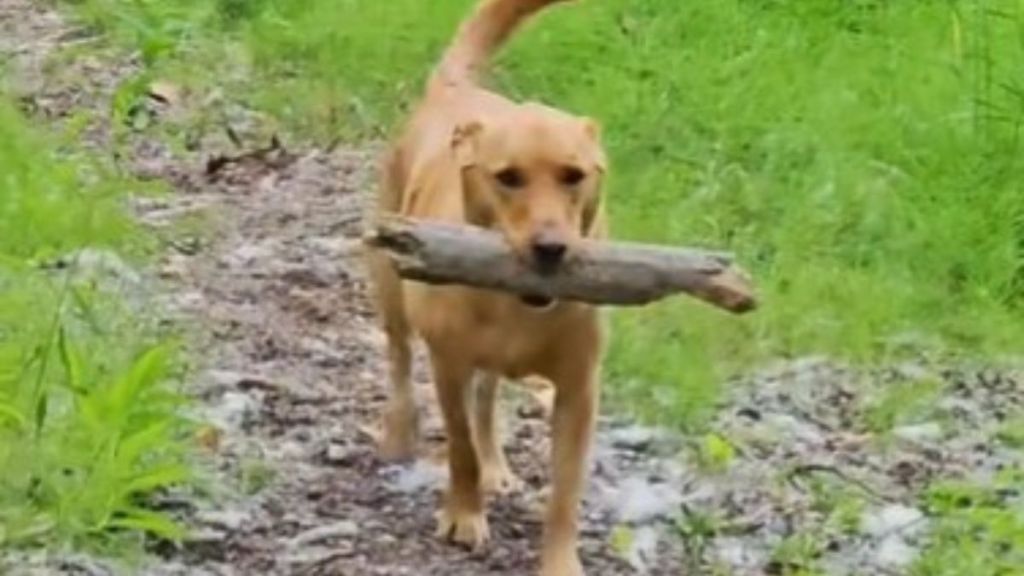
902	404
979	528
861	157
90	421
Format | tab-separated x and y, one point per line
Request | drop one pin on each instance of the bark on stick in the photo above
602	273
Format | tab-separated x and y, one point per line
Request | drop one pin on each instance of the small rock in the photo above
636	438
300	560
336	247
795	428
229	520
188	301
337	454
175	267
288	450
248	254
891	519
740	553
323	353
234	411
927	432
81	565
639	501
223	379
894	552
343	529
207	543
419	476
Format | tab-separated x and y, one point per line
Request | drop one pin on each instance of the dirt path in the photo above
290	373
294	375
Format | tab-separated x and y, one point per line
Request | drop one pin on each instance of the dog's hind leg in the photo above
401	416
495	475
400	421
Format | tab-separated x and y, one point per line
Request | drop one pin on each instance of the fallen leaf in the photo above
209	437
165	93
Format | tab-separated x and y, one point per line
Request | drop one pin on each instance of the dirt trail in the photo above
291	373
295	374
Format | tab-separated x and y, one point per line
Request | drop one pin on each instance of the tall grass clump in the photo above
862	157
90	419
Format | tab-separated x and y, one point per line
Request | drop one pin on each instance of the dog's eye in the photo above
571	176
511	178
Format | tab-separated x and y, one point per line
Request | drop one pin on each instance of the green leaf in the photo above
716	452
147	370
10	413
160	477
37	527
42	407
622	539
71	361
147	521
150	437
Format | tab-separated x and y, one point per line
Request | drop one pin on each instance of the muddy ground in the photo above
291	375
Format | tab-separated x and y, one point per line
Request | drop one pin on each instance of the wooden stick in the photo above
603	272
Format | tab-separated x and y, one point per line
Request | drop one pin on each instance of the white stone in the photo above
897	518
919	433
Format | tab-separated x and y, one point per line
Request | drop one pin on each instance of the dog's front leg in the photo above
573	421
496	476
462	516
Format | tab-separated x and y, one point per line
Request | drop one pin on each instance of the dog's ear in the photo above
593	223
479	212
464	142
595	151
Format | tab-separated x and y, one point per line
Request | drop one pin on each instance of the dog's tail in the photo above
479	37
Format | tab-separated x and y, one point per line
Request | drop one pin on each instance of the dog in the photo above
534	173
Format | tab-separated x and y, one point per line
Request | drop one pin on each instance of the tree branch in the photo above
603	272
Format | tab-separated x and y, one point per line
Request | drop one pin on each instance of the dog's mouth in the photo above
537	301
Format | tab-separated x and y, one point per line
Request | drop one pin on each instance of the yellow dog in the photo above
535	174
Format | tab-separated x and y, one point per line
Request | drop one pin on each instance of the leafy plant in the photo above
716	453
796	556
91	421
697	529
976	529
1011	432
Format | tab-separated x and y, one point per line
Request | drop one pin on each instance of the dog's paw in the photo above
542	396
498	479
466	528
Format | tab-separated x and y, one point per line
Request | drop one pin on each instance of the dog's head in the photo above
534	175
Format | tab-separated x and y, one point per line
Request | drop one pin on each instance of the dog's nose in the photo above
548	253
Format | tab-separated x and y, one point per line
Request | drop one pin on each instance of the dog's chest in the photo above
509	338
496	332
